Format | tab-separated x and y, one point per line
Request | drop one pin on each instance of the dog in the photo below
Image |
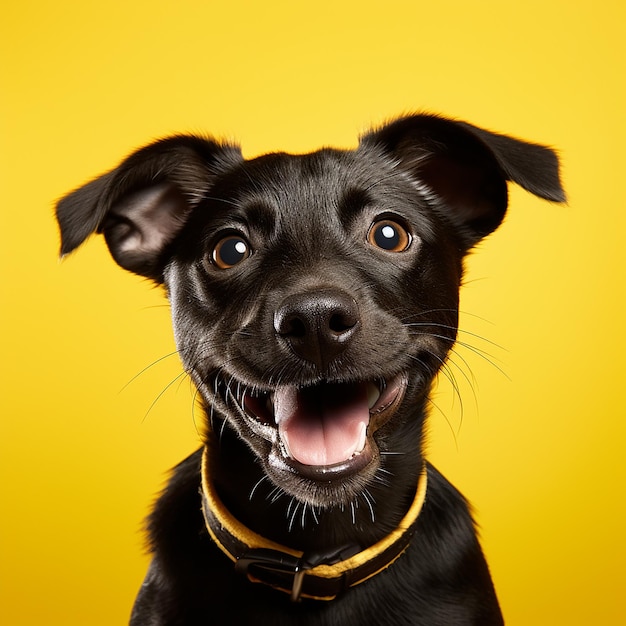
314	298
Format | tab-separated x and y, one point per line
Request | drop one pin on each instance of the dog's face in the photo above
324	293
314	297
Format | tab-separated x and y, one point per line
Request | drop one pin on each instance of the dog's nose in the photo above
318	325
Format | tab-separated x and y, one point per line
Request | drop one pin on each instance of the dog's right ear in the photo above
142	204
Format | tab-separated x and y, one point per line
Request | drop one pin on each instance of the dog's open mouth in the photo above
327	429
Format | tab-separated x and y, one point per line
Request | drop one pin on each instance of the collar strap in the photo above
320	576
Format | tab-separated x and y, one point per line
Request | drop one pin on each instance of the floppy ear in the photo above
142	204
464	169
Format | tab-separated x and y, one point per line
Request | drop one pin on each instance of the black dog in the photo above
314	298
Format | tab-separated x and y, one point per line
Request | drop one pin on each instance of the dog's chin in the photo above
319	443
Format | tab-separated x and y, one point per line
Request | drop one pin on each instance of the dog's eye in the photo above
389	235
229	251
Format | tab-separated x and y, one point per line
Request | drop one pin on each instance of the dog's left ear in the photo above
142	204
464	169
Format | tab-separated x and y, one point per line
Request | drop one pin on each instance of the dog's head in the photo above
313	297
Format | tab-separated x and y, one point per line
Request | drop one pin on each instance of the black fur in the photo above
312	299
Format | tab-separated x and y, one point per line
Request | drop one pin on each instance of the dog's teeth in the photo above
362	437
283	441
373	394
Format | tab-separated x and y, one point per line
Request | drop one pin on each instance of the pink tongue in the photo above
322	425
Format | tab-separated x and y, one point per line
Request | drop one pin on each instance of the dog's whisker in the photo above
457	396
212	417
447	372
465	371
303	516
194	402
453	311
369	499
275	494
292	517
147	367
256	485
228	391
222	429
454	352
162	392
488	358
382	480
469	377
445	417
453	328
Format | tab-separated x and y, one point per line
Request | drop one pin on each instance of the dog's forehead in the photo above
323	187
319	178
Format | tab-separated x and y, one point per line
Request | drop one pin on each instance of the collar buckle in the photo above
260	563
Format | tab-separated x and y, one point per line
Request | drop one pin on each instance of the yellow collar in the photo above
321	577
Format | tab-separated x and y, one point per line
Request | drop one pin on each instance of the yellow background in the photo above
539	449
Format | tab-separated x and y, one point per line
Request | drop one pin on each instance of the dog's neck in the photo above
256	503
320	574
